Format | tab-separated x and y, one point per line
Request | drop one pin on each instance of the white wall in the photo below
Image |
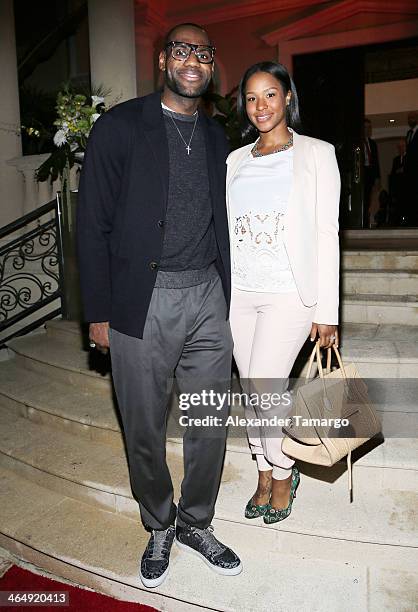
391	97
11	182
394	98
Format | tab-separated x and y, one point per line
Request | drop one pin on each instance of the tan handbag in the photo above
315	434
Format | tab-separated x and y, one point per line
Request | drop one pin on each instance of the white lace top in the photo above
259	195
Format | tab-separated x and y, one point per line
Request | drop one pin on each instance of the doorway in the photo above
332	96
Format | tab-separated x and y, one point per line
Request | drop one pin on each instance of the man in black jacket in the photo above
155	277
397	187
411	170
371	171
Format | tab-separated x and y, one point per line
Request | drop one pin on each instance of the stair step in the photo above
98	475
74	409
376	331
95	417
378	260
63	362
380	282
373	298
70	332
377	463
65	457
101	550
382	309
381	351
385	351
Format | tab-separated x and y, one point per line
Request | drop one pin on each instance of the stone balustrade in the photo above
35	194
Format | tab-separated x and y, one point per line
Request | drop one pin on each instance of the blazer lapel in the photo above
236	161
300	177
156	136
232	168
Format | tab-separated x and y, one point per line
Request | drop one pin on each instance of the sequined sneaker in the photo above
203	543
156	557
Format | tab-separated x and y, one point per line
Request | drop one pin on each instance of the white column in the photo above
33	194
31	190
44	192
112	47
11	182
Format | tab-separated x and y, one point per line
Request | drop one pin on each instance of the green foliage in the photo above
76	114
54	166
226	115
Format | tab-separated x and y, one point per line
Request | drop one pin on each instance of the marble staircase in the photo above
380	287
67	506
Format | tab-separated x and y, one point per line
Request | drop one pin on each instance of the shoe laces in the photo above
213	545
160	544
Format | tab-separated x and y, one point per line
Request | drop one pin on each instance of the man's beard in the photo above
181	90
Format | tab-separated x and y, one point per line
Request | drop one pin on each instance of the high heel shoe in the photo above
273	515
255	510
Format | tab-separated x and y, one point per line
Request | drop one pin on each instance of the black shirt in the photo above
189	237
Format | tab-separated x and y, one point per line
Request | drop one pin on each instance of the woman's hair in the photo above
280	73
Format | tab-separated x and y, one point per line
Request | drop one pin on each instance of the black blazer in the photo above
374	167
122	207
411	160
398	165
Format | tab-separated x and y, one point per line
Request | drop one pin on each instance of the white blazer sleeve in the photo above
328	200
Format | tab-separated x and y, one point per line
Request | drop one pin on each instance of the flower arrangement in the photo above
77	114
75	119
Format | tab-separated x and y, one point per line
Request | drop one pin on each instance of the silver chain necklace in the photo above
187	144
284	147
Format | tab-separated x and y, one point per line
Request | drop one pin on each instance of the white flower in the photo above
97	100
60	138
94	117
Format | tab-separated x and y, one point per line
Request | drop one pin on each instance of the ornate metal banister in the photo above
31	270
31	216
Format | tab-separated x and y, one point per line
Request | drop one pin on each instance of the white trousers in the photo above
268	330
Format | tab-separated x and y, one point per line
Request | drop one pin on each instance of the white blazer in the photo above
310	223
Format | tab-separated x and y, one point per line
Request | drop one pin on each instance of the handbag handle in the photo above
316	351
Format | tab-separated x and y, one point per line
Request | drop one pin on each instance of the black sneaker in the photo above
156	557
203	543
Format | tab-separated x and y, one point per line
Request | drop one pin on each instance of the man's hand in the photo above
99	336
328	335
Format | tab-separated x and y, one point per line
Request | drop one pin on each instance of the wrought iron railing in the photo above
31	270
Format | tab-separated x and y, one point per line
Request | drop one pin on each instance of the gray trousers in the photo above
186	335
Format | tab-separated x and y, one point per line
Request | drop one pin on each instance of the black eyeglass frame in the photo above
192	49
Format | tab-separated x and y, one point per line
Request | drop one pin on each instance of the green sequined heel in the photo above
271	515
253	511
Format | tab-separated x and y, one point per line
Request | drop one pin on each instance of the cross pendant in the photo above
188	149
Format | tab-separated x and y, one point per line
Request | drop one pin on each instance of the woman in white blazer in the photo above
283	200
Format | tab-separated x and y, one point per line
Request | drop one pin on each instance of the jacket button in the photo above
153	265
160	223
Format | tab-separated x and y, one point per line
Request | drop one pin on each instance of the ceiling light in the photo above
391	120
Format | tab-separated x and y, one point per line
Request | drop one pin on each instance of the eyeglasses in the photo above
181	51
